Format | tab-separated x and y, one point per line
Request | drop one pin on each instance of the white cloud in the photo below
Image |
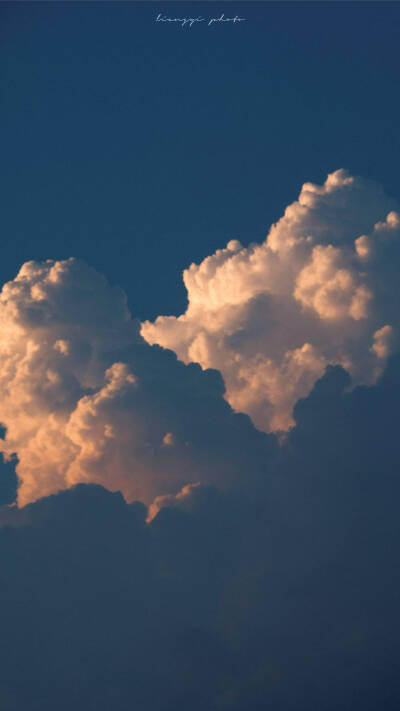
271	316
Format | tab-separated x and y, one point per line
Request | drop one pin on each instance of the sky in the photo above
199	356
118	130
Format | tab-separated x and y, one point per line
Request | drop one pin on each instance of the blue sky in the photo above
142	147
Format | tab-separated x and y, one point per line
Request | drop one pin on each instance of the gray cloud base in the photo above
286	600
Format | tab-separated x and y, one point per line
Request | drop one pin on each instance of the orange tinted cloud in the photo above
85	399
272	316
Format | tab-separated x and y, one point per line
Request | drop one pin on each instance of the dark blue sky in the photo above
142	146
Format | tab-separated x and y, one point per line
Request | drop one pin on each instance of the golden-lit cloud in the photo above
85	399
320	290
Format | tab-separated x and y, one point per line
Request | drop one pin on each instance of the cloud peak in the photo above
317	291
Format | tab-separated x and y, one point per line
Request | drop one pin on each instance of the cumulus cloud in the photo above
206	599
85	399
322	289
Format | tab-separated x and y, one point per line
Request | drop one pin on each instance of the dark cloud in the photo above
284	599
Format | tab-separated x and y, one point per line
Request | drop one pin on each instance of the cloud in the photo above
253	576
85	399
320	290
288	600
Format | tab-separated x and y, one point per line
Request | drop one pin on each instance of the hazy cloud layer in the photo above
85	399
322	289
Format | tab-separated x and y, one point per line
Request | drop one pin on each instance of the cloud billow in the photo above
85	399
322	289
